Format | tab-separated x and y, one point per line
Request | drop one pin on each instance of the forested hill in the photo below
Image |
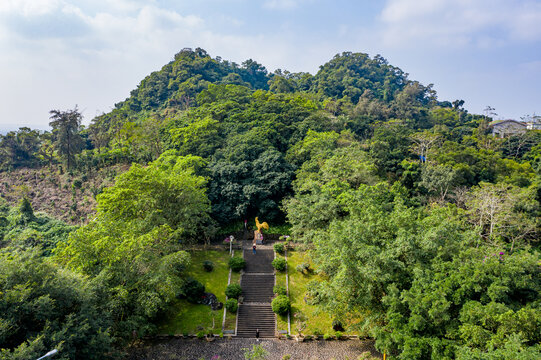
240	118
423	226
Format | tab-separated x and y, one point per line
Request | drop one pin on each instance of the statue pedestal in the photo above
259	242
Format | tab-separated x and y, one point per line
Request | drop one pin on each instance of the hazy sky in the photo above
55	54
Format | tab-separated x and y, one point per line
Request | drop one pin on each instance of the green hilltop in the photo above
423	226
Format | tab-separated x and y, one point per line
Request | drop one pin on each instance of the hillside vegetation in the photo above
420	222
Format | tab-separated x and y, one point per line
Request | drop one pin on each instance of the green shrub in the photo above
338	335
279	248
337	325
327	336
237	263
257	353
200	335
208	265
279	290
279	264
231	305
281	305
77	184
193	290
233	291
303	268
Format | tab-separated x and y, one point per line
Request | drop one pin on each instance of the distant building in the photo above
503	128
534	122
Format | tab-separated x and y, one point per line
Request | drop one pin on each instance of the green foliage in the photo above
134	246
21	228
26	213
350	74
66	126
231	305
303	268
193	290
256	353
237	263
233	291
279	248
281	305
208	265
279	263
46	307
279	290
421	223
20	148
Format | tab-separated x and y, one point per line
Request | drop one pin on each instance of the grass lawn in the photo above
316	321
183	317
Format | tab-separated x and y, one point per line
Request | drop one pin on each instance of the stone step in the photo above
253	317
257	288
261	262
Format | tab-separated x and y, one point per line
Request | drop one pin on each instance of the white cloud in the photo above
458	23
283	4
28	7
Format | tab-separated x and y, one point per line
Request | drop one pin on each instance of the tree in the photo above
423	143
439	180
66	126
19	148
44	307
498	212
134	249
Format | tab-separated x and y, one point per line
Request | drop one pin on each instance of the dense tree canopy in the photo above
423	225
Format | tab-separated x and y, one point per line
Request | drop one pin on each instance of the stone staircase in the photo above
261	262
257	282
256	316
257	288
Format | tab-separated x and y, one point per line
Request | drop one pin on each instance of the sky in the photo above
58	54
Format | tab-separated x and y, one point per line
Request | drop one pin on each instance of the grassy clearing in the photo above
183	317
317	322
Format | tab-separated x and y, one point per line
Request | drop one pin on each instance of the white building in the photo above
503	128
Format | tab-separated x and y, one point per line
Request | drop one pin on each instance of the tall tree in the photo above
66	126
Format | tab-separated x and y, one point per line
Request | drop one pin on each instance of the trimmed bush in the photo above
237	263
279	248
193	290
233	291
279	264
279	290
208	265
281	305
231	305
337	325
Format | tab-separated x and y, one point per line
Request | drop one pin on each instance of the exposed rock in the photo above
211	300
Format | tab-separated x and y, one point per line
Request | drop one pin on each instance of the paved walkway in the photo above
195	349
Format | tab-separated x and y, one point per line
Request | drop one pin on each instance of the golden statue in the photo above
259	226
258	235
